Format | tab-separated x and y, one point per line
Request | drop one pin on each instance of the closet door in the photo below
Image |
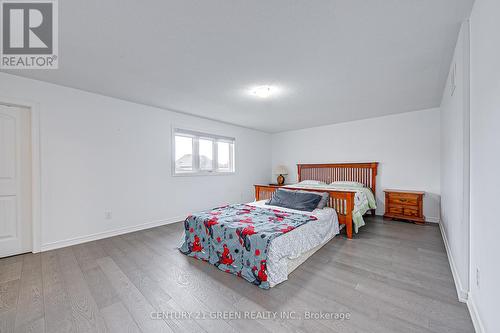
15	181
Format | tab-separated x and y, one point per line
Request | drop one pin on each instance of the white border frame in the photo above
36	196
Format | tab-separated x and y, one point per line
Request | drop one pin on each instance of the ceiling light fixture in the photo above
263	91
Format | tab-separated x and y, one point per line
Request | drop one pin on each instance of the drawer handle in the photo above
403	200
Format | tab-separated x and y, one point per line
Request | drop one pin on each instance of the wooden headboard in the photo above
365	173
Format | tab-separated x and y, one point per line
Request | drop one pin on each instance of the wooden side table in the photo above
405	205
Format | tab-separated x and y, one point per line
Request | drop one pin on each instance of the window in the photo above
224	158
183	153
200	153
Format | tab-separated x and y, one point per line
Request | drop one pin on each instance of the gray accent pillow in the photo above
325	196
298	200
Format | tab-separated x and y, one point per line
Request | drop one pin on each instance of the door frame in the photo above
36	196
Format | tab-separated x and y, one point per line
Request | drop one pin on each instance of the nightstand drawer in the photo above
398	210
399	199
410	211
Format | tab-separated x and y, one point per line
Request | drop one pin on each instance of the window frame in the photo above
196	136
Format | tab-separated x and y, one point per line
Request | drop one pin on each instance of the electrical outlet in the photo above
108	215
477	277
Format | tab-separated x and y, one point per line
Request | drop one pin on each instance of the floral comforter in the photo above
236	238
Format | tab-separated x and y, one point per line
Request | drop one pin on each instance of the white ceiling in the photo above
334	60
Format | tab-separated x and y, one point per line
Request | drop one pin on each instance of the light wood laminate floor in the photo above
393	277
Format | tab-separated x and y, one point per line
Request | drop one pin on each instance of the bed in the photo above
264	241
350	203
222	235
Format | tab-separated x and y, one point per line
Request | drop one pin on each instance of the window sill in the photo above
197	174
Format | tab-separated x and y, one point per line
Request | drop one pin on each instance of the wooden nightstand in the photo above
404	205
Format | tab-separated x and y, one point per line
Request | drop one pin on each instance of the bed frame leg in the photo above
348	230
373	212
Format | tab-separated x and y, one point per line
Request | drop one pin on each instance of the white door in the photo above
15	181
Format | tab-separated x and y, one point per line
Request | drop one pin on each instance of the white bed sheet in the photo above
297	245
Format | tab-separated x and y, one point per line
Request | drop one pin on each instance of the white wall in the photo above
455	164
406	145
485	161
100	153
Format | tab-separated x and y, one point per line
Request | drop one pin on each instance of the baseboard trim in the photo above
462	293
432	219
110	233
474	315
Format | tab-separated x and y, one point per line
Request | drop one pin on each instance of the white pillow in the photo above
347	183
312	182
